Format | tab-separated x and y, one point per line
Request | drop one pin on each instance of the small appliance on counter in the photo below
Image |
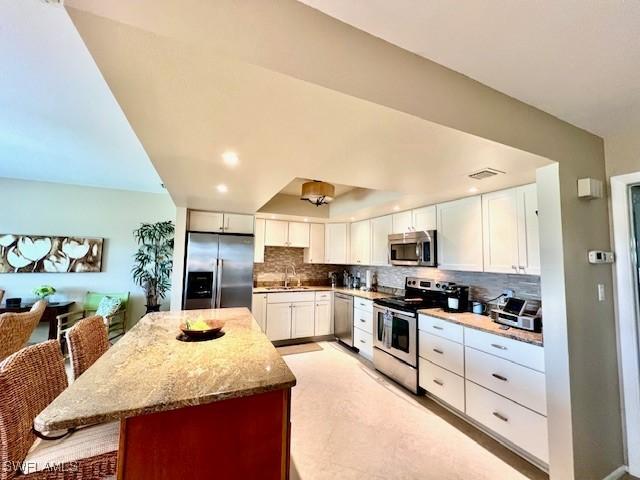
346	279
369	281
514	314
457	298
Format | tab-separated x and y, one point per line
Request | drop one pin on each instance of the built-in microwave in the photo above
413	248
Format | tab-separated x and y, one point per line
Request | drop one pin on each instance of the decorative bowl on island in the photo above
201	329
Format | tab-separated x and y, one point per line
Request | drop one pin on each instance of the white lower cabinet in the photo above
442	383
278	321
363	341
515	423
323	323
302	319
259	309
495	381
520	384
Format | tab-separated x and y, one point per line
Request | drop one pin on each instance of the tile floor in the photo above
350	422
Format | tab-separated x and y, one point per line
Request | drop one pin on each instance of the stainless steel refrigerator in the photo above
218	271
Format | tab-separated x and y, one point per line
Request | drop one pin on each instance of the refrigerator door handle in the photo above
219	283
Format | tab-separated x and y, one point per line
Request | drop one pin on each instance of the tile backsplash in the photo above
483	286
271	272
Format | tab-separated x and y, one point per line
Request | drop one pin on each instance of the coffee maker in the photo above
457	298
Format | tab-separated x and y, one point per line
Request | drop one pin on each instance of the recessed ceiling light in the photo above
473	189
306	219
222	188
230	158
396	208
353	218
273	216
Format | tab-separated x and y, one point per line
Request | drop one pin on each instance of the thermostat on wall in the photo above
598	256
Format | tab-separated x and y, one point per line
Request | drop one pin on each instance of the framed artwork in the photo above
49	254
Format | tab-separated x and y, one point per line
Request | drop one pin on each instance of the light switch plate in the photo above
601	293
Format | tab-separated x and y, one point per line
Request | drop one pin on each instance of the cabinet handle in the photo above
363	320
438	351
499	347
362	341
500	416
514	267
436	327
499	377
439	382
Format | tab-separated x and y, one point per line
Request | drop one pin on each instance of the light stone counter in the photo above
349	291
484	323
148	371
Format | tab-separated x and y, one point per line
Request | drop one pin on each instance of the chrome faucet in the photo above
286	273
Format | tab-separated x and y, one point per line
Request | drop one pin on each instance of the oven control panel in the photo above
427	284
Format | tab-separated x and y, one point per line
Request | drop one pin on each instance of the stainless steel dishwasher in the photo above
343	317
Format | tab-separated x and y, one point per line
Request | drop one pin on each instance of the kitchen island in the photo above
213	409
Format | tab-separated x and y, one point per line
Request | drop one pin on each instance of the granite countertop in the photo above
484	323
148	371
349	291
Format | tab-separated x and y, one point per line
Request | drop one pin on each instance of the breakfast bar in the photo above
187	409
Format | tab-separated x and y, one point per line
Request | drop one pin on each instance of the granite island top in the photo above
484	323
350	291
149	370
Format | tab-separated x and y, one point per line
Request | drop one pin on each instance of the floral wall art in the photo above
47	254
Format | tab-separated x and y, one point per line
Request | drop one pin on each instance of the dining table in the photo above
217	408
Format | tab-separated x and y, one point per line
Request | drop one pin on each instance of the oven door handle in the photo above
398	313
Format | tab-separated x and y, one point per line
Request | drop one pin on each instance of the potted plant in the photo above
44	291
154	261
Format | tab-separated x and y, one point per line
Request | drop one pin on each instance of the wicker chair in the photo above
29	380
16	328
87	340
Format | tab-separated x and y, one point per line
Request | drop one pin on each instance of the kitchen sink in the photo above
287	288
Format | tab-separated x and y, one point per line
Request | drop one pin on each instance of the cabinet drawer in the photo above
442	352
289	297
363	304
363	341
519	425
520	384
323	296
445	385
363	320
531	356
442	328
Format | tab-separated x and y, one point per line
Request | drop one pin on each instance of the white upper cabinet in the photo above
510	231
336	243
528	237
381	228
500	231
315	252
403	222
424	218
361	242
205	221
200	221
276	233
258	241
298	234
237	223
460	235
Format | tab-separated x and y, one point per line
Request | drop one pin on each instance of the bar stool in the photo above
87	340
29	380
16	328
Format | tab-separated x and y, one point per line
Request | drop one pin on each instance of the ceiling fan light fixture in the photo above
317	192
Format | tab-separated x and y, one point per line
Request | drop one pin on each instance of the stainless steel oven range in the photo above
395	329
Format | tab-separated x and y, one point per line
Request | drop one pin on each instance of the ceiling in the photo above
295	187
578	60
59	121
188	104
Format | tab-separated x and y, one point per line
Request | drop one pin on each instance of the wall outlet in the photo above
508	292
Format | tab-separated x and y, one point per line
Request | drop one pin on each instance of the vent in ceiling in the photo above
485	173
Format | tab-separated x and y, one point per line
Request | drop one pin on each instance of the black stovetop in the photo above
412	302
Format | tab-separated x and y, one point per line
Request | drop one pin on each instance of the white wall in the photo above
55	209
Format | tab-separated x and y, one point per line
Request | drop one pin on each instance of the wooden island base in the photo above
239	438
